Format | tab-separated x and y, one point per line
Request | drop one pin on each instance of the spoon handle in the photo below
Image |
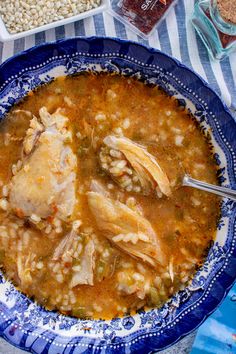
221	191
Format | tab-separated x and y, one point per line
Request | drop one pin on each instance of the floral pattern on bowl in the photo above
27	325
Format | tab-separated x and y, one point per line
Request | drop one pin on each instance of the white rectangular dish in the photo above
6	36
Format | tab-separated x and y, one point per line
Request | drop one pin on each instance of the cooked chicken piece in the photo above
83	272
45	185
98	187
84	276
24	265
133	167
127	229
65	246
32	135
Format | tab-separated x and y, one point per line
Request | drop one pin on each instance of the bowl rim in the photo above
228	283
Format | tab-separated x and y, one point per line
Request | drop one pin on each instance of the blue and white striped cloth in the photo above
174	36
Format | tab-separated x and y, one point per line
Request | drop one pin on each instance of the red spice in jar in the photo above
143	14
225	39
227	9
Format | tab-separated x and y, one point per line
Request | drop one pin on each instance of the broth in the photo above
32	251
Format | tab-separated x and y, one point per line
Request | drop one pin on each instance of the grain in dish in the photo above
24	15
75	237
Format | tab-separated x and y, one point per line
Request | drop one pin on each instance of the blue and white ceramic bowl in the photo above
27	325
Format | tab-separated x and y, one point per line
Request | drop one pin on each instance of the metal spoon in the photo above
144	162
211	188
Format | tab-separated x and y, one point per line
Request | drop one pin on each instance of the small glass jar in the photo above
215	25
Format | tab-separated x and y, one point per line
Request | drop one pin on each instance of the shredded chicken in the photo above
98	187
32	135
127	229
45	185
83	273
64	246
141	165
24	269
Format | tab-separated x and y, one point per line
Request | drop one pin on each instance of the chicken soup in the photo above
94	220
